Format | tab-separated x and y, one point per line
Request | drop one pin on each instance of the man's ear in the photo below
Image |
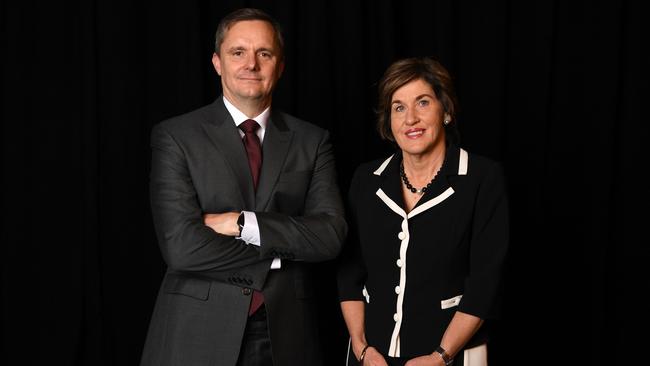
216	62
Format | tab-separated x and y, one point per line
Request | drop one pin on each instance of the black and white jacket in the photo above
415	270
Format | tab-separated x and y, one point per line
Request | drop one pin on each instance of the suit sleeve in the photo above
318	234
489	244
186	243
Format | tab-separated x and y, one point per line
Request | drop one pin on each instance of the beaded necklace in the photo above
408	184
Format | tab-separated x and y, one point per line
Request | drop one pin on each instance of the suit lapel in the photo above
221	129
442	187
390	182
275	147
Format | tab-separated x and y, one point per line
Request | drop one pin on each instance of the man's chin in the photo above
252	94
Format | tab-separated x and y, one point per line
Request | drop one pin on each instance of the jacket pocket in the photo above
188	286
454	301
302	176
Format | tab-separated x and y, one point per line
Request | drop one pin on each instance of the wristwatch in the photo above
444	355
240	222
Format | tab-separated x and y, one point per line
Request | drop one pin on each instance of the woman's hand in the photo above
373	358
428	360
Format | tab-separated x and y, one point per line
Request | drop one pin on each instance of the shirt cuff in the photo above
250	233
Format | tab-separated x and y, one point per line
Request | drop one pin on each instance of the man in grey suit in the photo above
243	199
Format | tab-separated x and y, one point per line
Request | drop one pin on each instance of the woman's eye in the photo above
399	108
423	102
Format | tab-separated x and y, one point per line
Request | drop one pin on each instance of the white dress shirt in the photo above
251	232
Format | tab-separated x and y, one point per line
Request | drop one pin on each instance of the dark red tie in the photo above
254	152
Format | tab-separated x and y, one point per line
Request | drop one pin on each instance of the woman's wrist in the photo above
362	355
446	358
357	346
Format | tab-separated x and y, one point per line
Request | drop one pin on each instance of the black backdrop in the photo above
554	89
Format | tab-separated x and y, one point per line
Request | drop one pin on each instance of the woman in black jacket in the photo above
421	272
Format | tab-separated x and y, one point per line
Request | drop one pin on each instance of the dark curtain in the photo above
556	90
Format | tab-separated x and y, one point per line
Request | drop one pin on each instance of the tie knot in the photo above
249	125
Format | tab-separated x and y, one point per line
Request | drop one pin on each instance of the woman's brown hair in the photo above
404	71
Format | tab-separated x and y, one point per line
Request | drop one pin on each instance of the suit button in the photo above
399	263
401	235
246	291
397	290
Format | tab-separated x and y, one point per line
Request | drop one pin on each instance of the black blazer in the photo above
415	270
199	165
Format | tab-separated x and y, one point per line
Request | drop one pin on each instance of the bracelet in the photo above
363	354
444	355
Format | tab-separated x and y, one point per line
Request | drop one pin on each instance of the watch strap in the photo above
444	355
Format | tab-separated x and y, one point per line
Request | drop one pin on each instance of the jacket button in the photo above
246	291
399	263
395	317
397	289
401	235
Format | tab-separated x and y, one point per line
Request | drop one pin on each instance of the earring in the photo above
446	122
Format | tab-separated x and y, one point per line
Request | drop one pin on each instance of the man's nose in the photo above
251	62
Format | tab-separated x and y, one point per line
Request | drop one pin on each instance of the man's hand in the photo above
223	223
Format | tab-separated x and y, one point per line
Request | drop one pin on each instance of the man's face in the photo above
249	63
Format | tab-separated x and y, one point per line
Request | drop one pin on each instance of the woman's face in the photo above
416	119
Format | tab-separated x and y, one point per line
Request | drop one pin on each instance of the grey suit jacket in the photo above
199	165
